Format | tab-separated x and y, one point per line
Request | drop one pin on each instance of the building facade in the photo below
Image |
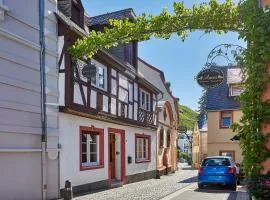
107	120
21	132
223	109
199	142
266	126
167	119
265	98
93	122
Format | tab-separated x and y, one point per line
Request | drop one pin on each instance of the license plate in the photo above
212	178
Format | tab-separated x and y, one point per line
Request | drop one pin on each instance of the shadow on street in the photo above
214	188
189	180
219	189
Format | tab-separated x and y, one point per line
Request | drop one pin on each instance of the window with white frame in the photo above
144	100
236	90
99	79
142	148
90	142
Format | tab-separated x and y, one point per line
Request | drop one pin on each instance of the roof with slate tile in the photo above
218	97
104	18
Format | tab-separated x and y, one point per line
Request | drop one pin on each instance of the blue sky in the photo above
180	61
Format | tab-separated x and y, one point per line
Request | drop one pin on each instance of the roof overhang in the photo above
70	24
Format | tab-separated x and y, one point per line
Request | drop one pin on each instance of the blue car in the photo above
217	170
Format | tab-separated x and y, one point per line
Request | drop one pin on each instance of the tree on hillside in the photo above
187	117
202	105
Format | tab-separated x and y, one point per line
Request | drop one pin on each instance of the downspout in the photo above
43	99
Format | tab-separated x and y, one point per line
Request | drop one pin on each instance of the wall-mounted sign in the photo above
89	70
209	78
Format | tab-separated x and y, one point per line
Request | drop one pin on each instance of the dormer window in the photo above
236	90
77	13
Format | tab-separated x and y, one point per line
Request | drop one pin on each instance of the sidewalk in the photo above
242	193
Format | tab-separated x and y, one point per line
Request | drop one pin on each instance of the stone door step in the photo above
115	184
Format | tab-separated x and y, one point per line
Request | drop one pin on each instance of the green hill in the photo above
187	117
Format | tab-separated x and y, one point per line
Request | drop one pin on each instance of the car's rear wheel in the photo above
200	186
238	181
234	187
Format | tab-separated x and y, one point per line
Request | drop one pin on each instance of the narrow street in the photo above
180	185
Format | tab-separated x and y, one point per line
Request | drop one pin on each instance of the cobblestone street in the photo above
149	189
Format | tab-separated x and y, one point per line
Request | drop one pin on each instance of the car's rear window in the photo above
216	162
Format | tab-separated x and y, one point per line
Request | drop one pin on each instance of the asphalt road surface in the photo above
192	192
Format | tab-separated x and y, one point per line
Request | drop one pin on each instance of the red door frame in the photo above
123	153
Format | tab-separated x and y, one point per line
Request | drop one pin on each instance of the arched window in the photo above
168	138
161	137
164	114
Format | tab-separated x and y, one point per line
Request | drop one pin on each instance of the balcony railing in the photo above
145	117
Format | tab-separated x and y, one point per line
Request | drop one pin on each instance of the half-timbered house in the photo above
107	119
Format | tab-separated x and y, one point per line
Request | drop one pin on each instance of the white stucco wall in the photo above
20	123
70	155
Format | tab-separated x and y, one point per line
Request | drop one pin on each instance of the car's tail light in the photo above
200	170
231	170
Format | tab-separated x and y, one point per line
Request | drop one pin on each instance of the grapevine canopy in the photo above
208	17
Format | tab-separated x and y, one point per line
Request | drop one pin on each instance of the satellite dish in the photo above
89	70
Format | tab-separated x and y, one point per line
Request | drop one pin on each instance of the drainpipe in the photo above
43	99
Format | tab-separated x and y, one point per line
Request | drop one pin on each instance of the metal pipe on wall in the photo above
43	99
18	150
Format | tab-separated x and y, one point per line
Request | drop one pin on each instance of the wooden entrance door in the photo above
112	155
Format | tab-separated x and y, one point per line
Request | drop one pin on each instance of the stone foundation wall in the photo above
141	176
101	185
88	188
162	172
